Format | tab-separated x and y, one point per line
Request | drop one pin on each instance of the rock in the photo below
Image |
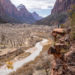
36	16
9	13
59	31
61	53
61	40
62	48
51	50
47	45
62	5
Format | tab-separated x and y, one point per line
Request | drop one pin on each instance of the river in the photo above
18	64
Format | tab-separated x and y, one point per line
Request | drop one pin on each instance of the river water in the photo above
39	46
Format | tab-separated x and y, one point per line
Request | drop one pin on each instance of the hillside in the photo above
24	15
36	16
53	19
62	5
9	13
59	13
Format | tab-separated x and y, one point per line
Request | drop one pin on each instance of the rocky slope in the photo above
9	13
62	5
53	19
59	13
25	15
36	16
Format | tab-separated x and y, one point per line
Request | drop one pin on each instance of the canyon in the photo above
59	13
22	43
10	13
62	6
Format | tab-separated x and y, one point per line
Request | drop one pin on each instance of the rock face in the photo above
25	15
61	50
62	5
58	14
9	13
36	16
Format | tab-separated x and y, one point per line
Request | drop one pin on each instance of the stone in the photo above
51	50
62	5
62	48
59	31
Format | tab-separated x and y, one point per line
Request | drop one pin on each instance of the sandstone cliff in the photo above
25	15
62	5
9	13
59	13
36	16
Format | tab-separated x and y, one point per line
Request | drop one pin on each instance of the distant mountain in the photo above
36	16
9	13
59	13
25	15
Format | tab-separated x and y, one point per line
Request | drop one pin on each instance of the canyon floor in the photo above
16	39
22	41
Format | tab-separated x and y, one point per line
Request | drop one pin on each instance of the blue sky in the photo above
42	7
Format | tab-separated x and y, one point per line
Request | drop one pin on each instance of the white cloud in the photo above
33	5
38	4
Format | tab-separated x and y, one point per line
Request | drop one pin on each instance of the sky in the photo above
42	7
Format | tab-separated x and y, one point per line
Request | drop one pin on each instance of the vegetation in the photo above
70	22
40	66
22	35
53	19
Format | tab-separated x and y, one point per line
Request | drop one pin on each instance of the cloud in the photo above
35	4
38	4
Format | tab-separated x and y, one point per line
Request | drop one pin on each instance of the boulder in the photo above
61	48
60	31
51	50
